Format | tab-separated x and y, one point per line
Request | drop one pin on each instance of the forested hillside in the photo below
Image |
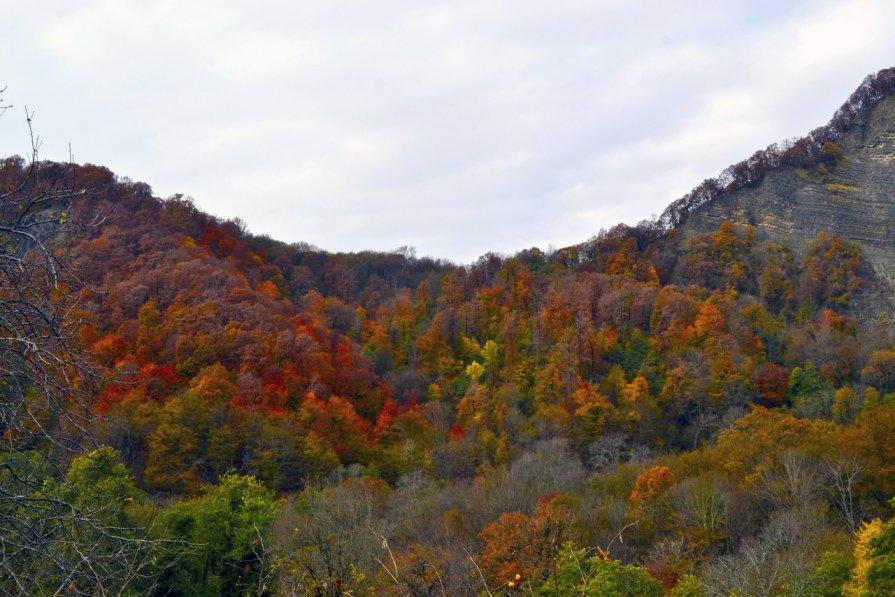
649	412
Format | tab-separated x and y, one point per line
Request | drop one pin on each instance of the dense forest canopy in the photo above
214	412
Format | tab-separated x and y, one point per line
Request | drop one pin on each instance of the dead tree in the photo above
52	540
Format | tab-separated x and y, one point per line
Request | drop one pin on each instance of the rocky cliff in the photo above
847	188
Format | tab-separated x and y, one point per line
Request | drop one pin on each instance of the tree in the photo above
44	380
527	546
880	370
46	384
85	534
333	537
864	551
578	573
881	572
833	271
227	529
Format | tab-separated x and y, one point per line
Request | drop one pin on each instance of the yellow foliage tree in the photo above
857	586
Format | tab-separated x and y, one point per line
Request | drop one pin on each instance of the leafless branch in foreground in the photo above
50	543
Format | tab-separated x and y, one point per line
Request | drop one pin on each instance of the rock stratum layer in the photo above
850	194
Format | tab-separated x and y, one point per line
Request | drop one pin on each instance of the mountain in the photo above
710	387
840	179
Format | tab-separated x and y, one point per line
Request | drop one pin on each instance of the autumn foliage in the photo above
682	400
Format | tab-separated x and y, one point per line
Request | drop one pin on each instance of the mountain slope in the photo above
677	382
840	179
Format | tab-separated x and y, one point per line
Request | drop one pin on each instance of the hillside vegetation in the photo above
659	410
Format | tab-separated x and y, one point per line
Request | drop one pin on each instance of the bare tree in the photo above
333	538
44	381
796	483
52	540
843	474
778	561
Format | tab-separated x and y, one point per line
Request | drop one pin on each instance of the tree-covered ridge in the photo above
712	415
191	409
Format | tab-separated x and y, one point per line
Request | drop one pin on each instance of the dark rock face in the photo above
851	195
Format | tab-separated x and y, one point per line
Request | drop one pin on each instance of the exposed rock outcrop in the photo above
849	192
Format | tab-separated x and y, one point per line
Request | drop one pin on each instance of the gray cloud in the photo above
459	128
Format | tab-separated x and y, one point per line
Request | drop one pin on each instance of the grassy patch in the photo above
842	188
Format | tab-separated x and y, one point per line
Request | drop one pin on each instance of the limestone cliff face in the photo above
852	196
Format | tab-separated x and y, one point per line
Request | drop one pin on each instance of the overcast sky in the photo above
457	128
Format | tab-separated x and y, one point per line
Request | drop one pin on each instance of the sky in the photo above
457	128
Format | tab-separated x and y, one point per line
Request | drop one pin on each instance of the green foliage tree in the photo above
810	394
881	572
831	574
845	405
576	573
227	530
87	533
